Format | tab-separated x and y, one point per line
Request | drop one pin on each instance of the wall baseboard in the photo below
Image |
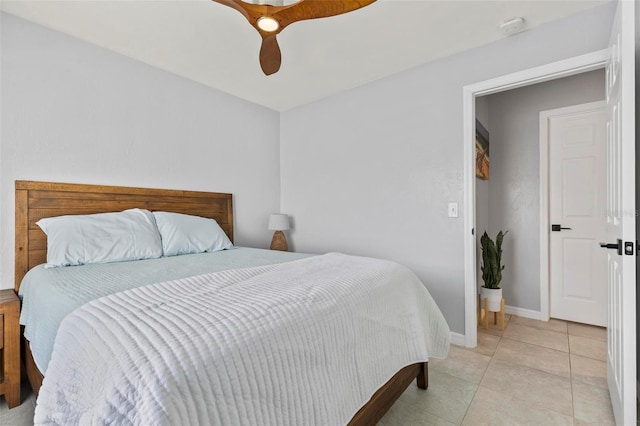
457	339
521	312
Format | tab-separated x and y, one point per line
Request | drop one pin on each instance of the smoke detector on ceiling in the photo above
512	26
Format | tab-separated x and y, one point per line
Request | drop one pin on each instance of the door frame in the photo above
545	278
576	65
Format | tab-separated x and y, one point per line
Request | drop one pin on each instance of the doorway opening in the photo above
556	70
547	162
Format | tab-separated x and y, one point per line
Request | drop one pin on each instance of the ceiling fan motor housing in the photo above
269	20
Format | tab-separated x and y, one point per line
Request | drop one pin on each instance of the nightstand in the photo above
10	347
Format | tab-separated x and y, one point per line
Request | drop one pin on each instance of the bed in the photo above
37	200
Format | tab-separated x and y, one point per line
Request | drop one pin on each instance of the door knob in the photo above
617	246
557	228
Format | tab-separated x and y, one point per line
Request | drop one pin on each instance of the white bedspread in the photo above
302	343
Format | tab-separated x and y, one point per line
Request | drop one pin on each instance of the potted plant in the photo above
492	270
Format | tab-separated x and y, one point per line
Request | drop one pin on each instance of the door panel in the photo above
578	273
620	215
577	167
578	181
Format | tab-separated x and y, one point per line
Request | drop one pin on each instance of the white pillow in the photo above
101	238
185	234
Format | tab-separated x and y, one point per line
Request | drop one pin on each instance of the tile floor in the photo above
533	373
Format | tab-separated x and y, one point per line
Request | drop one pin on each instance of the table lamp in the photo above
279	223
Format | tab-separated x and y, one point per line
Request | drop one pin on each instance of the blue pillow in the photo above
101	238
186	234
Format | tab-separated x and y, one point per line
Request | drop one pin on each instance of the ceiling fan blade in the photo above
237	5
270	56
311	9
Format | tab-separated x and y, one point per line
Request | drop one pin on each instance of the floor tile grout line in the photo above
588	338
540	329
561	352
527	323
480	382
485	370
544	347
533	368
583	355
536	369
540	346
588	357
573	402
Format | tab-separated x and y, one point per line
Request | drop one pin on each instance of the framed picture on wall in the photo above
482	152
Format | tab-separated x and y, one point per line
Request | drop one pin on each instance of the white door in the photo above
577	177
620	212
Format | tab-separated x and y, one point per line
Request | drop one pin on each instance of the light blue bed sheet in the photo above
49	295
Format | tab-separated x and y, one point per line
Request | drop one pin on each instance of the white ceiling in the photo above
215	45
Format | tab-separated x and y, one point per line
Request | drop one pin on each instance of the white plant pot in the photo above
493	295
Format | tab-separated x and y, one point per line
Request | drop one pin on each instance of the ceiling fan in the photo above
270	20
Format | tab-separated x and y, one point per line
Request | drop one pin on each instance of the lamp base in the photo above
279	242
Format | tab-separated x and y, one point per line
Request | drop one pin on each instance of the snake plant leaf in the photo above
492	259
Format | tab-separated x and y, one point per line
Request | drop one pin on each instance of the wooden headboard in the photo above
36	200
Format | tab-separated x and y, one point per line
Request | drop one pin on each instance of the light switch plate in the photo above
453	209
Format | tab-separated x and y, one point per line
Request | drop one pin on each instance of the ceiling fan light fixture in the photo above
269	19
268	24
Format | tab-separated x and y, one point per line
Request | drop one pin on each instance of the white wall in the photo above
73	112
514	190
370	171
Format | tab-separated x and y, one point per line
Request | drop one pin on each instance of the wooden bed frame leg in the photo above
423	376
33	374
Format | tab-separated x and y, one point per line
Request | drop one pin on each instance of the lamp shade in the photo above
278	222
